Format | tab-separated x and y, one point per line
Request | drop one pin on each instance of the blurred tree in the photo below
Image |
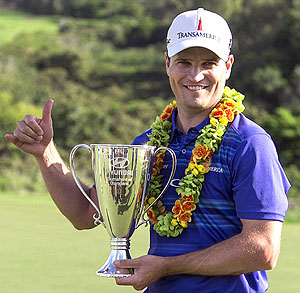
267	47
284	127
11	112
105	65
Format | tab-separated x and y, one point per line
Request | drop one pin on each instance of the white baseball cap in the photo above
199	28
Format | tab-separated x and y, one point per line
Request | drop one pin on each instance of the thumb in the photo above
47	110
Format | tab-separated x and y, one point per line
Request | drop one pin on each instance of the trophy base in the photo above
119	251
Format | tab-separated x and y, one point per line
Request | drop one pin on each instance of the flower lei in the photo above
207	143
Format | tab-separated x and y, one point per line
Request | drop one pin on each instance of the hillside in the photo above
104	66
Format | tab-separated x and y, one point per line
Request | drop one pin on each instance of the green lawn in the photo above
285	277
14	22
40	251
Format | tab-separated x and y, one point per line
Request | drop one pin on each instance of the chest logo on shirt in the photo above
216	169
175	182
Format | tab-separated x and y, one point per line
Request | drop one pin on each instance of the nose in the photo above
196	73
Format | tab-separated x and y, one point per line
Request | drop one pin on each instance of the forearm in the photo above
35	136
242	253
224	258
62	188
255	248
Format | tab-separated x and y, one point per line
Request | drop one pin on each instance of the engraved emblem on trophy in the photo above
121	174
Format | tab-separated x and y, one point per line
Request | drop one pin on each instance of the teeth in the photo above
195	88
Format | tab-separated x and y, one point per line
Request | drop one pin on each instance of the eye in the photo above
183	62
209	64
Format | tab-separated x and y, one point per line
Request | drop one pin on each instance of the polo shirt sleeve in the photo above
142	139
259	182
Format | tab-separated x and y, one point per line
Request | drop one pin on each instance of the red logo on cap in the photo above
200	25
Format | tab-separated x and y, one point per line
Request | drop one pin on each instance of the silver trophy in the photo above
122	174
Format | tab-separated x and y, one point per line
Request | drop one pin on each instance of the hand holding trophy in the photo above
122	174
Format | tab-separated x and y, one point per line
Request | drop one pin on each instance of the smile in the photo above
195	87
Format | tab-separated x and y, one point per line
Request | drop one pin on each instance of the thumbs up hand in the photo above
33	134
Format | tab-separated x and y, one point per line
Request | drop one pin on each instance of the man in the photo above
236	226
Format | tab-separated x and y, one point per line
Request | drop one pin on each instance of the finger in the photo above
33	122
125	263
124	280
20	136
13	139
47	110
30	128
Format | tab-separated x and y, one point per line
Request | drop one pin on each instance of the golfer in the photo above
218	227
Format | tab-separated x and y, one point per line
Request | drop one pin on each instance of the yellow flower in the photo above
174	103
213	121
223	120
174	222
183	224
191	166
229	92
200	168
195	172
151	200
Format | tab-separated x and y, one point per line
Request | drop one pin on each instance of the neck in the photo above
185	121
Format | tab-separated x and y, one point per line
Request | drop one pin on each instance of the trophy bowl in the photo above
121	174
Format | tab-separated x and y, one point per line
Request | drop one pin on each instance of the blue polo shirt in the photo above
246	181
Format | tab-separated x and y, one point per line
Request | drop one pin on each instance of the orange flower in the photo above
160	156
169	109
167	113
229	114
154	171
186	216
189	206
152	216
164	116
215	113
188	198
159	160
159	164
210	154
177	207
140	191
220	106
230	105
200	152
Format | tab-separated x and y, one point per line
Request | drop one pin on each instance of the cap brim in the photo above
207	43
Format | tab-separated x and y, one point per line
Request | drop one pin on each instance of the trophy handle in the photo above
174	163
97	218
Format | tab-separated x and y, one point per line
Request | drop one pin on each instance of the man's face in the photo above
197	78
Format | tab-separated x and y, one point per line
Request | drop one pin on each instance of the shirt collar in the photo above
175	128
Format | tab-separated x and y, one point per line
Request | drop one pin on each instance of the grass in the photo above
40	251
285	277
13	22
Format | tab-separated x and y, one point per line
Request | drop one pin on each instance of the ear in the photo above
228	65
168	61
